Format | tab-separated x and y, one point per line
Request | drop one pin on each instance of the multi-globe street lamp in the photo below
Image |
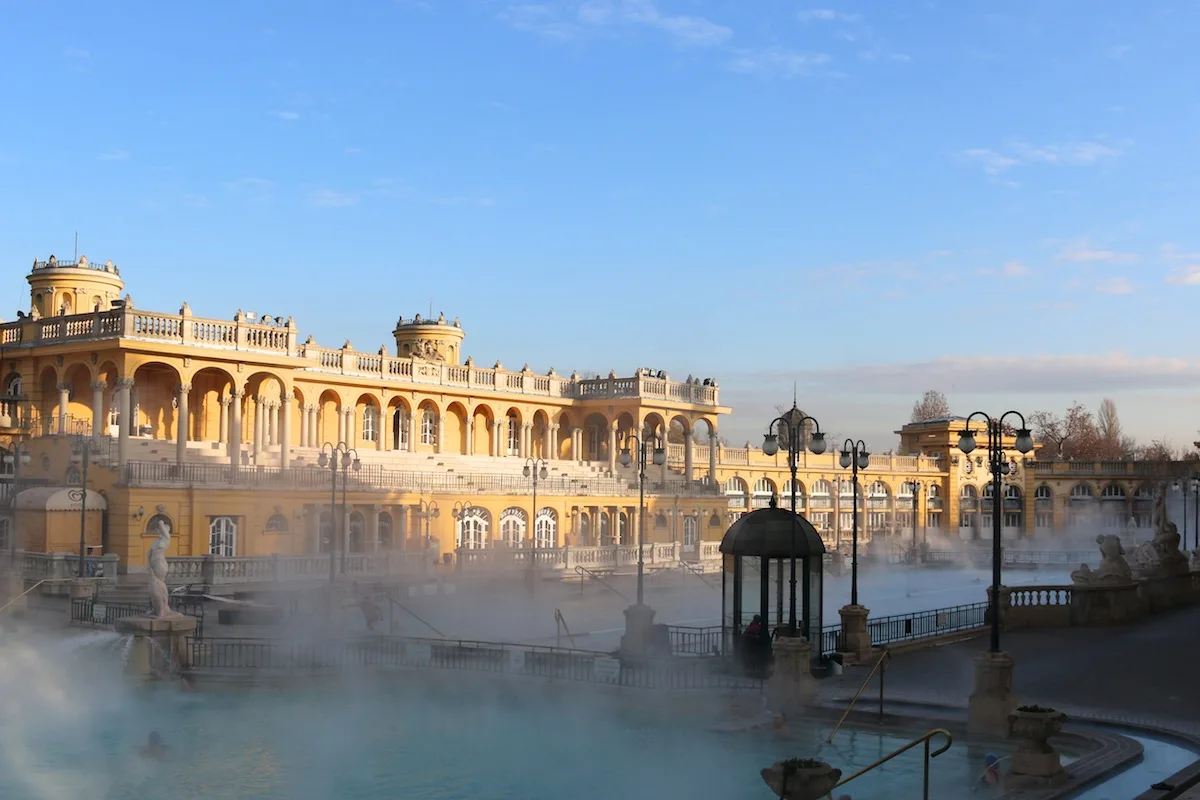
333	456
428	510
82	449
854	457
914	486
999	467
659	458
790	426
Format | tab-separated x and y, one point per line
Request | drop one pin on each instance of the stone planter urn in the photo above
1034	725
1036	763
801	779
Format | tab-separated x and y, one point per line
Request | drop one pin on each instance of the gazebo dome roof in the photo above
767	532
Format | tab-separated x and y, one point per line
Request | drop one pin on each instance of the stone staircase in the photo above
133	588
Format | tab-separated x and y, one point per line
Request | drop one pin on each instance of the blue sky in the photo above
994	199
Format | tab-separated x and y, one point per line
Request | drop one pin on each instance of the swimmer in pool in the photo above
154	748
779	724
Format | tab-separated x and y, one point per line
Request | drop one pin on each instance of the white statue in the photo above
1161	557
160	606
1114	570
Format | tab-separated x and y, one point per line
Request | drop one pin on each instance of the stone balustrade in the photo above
60	567
221	570
603	559
1160	469
281	339
1094	605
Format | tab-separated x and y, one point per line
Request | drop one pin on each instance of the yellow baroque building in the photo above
217	426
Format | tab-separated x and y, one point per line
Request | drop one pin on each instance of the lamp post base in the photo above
855	645
639	631
993	699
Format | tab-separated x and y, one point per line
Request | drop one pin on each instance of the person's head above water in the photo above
990	760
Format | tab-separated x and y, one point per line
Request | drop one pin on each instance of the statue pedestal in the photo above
993	699
639	627
159	644
791	686
855	645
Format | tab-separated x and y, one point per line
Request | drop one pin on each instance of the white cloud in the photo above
1171	252
541	19
1074	154
115	155
286	116
1086	254
329	198
683	28
76	54
826	15
777	61
1185	276
984	374
196	200
879	54
256	189
1115	286
1014	269
1119	51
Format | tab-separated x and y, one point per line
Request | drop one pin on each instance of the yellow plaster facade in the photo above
218	426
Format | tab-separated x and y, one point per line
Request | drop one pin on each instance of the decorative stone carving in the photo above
801	778
160	607
1036	763
1114	570
1161	558
428	349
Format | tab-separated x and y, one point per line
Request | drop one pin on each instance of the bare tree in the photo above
1072	436
1113	442
932	405
1159	450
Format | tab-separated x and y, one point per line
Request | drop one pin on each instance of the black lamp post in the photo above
535	468
999	467
19	456
855	457
333	455
460	512
915	487
790	426
82	449
426	511
659	458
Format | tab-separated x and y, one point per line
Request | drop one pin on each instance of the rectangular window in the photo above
1012	519
933	520
1044	519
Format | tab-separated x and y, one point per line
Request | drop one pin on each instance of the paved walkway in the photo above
1146	675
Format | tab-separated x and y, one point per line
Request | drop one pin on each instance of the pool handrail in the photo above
928	755
583	573
4	607
885	659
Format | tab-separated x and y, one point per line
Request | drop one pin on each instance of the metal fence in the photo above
390	652
89	611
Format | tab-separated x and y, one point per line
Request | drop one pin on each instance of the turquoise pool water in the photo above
76	729
1161	759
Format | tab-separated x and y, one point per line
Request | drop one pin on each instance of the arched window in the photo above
1012	492
222	536
358	535
151	528
428	427
878	489
969	492
763	486
714	521
602	522
1082	491
660	520
13	387
277	523
513	525
1114	491
786	492
624	528
471	530
822	488
1043	492
514	435
400	429
690	536
385	531
74	478
545	528
933	491
370	424
735	485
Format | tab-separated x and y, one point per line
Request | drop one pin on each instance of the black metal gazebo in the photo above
766	539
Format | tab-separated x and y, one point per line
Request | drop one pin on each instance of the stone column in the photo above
993	699
470	448
712	458
349	429
441	433
341	425
414	433
98	419
373	528
223	426
64	400
791	687
304	426
855	645
497	440
313	432
612	446
664	470
381	427
285	424
124	387
235	427
548	442
181	423
257	441
274	418
577	445
688	455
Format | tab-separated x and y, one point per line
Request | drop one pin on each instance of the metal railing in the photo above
391	652
584	573
928	756
885	659
89	611
375	477
705	641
